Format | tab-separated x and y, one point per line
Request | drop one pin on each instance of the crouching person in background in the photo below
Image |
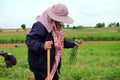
9	59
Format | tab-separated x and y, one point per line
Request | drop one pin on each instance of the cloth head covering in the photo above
57	12
46	21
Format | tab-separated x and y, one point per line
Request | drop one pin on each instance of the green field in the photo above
98	57
95	61
93	34
87	34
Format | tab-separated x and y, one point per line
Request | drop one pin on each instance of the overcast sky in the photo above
13	13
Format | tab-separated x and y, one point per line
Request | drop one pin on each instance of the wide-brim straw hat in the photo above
59	12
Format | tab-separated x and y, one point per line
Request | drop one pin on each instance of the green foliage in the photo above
18	72
23	26
12	39
117	24
114	24
95	61
67	25
78	27
87	34
73	55
92	34
100	25
118	29
74	27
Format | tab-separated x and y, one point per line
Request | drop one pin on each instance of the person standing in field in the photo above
45	34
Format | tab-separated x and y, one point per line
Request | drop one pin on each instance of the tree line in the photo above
98	25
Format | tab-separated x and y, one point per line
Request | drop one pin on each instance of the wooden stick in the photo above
48	64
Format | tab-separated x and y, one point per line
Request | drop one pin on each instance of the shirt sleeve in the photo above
34	38
68	44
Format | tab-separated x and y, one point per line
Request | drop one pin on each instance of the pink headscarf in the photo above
46	21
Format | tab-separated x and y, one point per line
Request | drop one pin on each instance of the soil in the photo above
12	45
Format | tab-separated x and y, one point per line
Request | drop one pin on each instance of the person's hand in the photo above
48	45
77	42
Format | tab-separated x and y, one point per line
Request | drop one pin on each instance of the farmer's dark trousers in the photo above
37	77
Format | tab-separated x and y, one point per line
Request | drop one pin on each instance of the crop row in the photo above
87	34
12	39
95	37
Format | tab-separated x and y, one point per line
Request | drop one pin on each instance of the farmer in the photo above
9	59
45	34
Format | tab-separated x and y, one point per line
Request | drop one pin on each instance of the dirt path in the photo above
12	45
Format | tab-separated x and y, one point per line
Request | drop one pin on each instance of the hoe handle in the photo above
48	64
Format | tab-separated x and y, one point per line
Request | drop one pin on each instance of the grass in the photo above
87	34
93	34
96	60
18	72
12	39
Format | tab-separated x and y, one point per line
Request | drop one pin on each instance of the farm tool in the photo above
48	64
